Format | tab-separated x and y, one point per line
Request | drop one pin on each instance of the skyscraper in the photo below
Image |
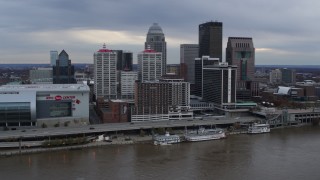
149	65
126	64
200	63
124	60
288	76
219	84
53	57
210	40
188	53
63	71
240	52
156	41
105	76
127	81
166	99
275	76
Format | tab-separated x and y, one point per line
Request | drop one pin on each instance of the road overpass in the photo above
117	127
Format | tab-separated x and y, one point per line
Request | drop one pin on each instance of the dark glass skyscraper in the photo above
156	41
199	64
63	71
124	60
219	84
210	40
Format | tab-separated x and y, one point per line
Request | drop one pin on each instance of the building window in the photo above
15	112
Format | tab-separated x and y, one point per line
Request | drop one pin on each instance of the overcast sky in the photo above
283	32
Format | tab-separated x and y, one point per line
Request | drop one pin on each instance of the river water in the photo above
292	153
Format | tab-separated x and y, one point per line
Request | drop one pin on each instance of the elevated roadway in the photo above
112	127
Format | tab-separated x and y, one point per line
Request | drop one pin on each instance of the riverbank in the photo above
120	140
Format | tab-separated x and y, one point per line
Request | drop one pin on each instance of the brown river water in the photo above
291	153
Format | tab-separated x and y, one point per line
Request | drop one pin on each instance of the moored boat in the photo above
259	128
166	139
203	134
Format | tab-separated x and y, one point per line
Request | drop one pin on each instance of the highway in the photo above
112	127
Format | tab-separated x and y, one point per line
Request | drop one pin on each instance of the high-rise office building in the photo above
151	97
188	53
200	63
288	76
173	69
63	71
219	84
156	41
127	61
210	40
149	65
53	57
179	92
127	80
275	76
166	99
240	52
105	76
124	60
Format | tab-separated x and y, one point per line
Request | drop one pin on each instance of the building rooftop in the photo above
149	51
155	29
104	49
46	87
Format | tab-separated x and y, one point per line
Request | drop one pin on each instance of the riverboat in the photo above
166	139
259	128
203	134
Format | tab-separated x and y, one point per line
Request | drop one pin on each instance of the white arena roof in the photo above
46	87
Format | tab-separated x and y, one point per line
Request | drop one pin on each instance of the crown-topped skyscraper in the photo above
156	41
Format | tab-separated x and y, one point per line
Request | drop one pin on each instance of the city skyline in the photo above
283	32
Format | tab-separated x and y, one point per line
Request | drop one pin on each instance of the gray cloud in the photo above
30	29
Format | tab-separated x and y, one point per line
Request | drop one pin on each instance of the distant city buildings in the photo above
150	65
156	41
41	76
105	76
81	77
275	76
53	57
63	71
288	76
210	40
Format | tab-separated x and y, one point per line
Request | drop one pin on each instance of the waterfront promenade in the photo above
29	150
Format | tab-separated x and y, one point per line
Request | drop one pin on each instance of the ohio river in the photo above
292	153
